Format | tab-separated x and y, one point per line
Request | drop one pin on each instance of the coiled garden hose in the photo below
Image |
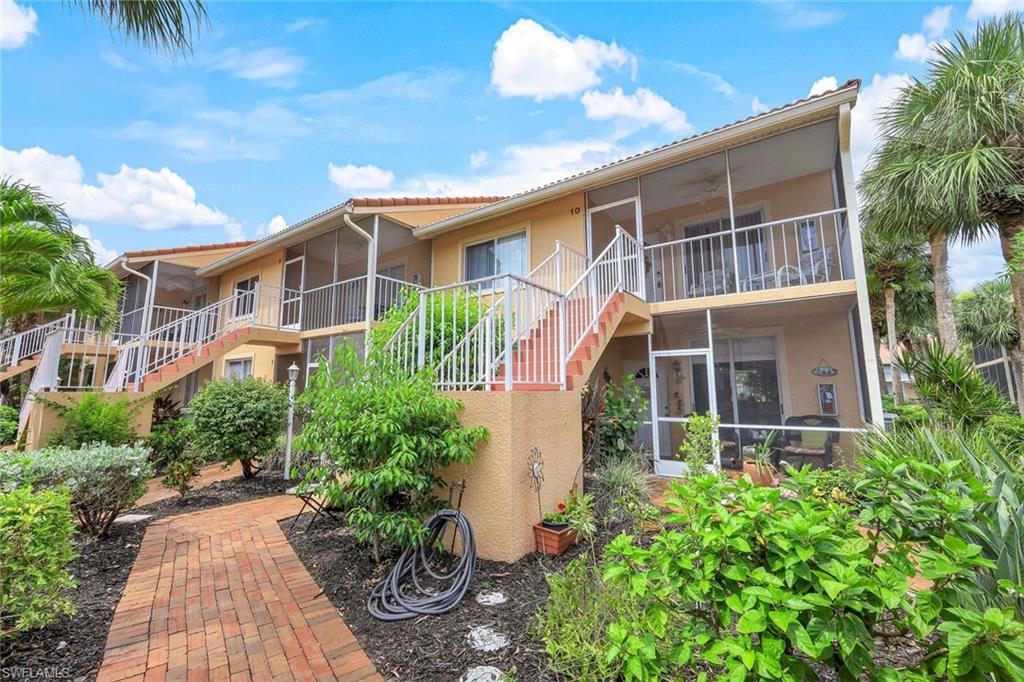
390	599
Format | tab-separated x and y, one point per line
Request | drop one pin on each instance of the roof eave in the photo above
254	250
689	148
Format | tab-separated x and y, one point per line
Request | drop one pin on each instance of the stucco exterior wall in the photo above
544	224
264	361
44	419
499	500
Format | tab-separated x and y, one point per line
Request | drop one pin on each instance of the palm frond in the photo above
167	24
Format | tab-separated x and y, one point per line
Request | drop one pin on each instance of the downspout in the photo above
371	270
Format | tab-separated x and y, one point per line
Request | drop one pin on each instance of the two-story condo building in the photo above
723	272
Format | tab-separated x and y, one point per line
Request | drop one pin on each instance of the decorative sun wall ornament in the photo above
536	462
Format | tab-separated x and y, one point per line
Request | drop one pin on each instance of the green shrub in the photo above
950	387
622	489
8	424
572	625
1007	433
95	419
699	448
180	473
623	407
388	436
35	548
750	582
102	480
167	441
236	420
837	482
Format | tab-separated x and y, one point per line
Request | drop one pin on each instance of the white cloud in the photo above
216	134
913	47
137	197
272	226
982	9
303	23
796	16
352	178
531	61
757	106
478	158
101	254
644	107
936	23
270	65
981	261
873	97
718	83
403	85
823	84
118	62
519	167
17	25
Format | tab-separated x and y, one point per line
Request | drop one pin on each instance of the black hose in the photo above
388	601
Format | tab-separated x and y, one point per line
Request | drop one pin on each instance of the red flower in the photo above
572	490
561	506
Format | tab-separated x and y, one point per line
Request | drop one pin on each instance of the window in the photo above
501	256
238	369
808	235
244	305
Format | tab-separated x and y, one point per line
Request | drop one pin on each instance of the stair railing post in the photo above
563	348
620	256
16	351
421	341
558	266
508	332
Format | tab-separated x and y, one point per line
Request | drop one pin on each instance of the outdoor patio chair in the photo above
710	283
810	445
319	506
814	266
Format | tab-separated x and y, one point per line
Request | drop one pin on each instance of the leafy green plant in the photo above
573	623
35	548
385	436
8	424
749	583
102	480
236	420
181	471
622	488
577	512
699	448
950	386
167	441
623	407
836	482
96	418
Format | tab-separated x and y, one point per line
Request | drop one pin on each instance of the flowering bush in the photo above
102	480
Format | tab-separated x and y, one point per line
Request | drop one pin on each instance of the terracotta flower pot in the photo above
759	475
553	541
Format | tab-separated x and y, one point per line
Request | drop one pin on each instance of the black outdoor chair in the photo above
810	445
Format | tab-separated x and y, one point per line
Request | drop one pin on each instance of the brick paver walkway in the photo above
211	473
220	595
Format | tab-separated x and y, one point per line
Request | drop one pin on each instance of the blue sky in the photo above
285	109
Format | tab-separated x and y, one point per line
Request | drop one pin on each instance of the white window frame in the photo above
524	230
234	290
242	359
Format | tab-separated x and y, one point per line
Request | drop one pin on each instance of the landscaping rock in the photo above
483	638
132	518
491	598
483	673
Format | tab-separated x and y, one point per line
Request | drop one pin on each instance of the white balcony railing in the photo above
806	249
18	347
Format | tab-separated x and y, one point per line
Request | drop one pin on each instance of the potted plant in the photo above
757	461
555	534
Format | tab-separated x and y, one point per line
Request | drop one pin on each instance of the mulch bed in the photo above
73	645
431	647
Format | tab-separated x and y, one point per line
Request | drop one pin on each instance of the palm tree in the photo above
896	265
44	266
957	140
987	318
166	24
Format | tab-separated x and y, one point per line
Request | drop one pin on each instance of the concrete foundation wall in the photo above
499	501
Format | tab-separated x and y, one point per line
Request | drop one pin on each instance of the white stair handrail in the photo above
17	347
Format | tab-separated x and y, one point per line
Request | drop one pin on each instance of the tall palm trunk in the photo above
1008	229
890	339
943	298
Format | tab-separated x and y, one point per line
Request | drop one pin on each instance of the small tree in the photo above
236	420
699	447
621	409
386	437
94	419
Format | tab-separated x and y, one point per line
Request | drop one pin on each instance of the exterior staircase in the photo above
186	364
23	366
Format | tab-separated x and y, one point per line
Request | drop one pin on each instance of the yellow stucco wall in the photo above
499	500
544	224
44	419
